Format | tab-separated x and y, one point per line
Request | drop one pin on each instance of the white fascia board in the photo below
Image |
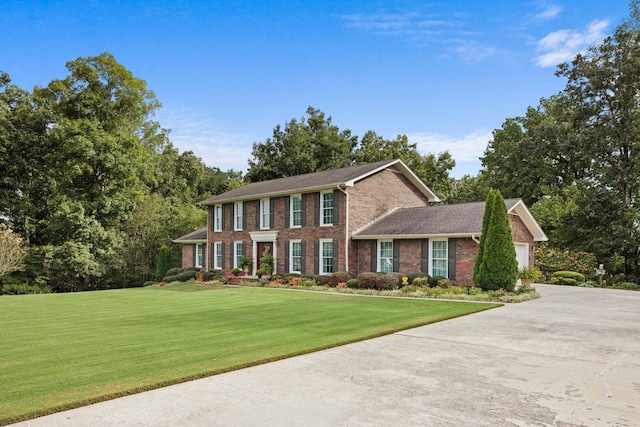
415	236
529	221
189	242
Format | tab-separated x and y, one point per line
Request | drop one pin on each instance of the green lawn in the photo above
59	351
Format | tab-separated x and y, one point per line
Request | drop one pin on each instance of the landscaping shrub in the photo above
174	271
353	283
433	280
627	285
23	289
169	279
564	281
444	283
212	275
398	277
192	269
185	276
387	281
421	281
409	289
549	260
578	277
275	276
148	283
235	271
343	276
368	280
413	276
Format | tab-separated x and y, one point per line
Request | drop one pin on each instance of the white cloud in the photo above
467	148
191	131
550	12
561	46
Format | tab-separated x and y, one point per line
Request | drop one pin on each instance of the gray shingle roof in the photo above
460	219
307	182
198	235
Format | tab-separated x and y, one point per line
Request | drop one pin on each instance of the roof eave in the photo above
188	242
276	194
529	221
415	236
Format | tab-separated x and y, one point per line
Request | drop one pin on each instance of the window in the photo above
296	211
326	208
199	261
238	251
385	256
217	255
295	254
265	214
326	256
217	218
238	216
439	258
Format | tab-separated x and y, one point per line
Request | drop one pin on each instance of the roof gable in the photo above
344	177
460	220
198	236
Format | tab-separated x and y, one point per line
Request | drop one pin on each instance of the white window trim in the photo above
291	225
264	214
321	256
217	250
322	223
217	218
199	247
236	257
379	254
291	243
446	258
238	215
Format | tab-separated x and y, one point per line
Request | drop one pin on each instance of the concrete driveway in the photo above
571	358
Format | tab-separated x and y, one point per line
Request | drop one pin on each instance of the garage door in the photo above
522	254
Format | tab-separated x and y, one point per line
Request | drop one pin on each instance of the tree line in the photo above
94	186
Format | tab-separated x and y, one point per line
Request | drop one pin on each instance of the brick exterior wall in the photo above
521	234
372	198
187	256
369	199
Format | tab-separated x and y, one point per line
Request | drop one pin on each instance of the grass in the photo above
60	351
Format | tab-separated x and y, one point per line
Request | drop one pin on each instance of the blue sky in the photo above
445	73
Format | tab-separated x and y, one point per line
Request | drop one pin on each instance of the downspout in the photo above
473	237
346	227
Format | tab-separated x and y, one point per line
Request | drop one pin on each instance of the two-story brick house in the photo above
373	217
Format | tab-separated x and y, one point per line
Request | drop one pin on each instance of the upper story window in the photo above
217	218
296	210
326	208
385	256
265	214
238	215
439	258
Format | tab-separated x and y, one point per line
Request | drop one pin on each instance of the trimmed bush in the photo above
421	281
174	271
578	277
148	283
185	276
413	276
564	281
433	280
386	282
212	275
353	283
368	280
169	279
444	283
343	276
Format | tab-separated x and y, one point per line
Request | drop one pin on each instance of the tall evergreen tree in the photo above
163	263
499	269
488	208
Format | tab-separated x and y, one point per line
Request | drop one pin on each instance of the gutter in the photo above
473	237
346	228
